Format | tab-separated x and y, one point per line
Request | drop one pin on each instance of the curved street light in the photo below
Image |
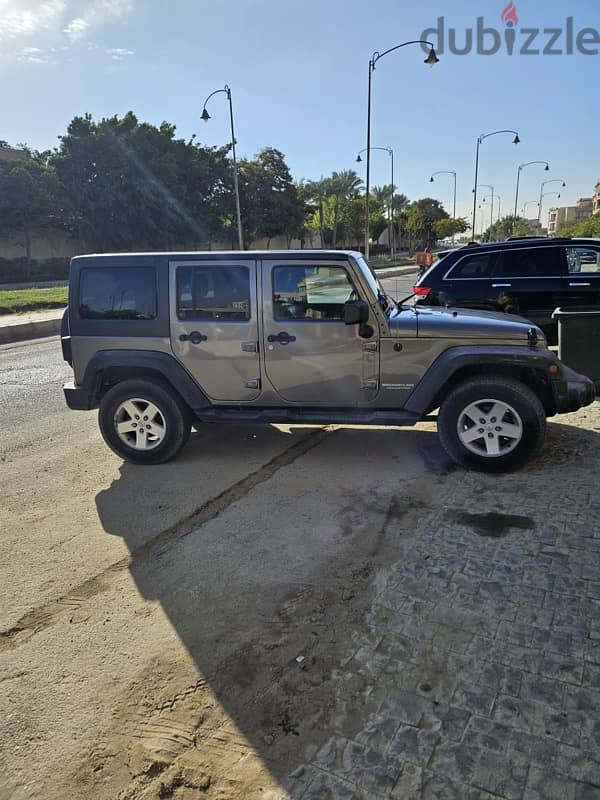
491	188
545	183
430	61
498	198
391	154
448	172
205	116
529	203
480	140
522	166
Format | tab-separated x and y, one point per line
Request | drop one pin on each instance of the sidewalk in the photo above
33	325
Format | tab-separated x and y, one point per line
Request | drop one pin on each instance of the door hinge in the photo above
372	347
253	384
250	347
370	384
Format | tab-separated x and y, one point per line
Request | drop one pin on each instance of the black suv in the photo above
529	277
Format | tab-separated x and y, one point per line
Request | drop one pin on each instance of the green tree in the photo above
342	187
422	216
132	185
587	227
269	199
318	192
444	228
29	199
505	227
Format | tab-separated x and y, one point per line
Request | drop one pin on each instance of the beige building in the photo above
557	217
597	198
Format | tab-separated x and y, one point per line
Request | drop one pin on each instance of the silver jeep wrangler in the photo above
159	342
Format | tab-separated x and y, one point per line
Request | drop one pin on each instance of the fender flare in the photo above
455	358
167	366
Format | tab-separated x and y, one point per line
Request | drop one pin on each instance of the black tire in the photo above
512	392
174	413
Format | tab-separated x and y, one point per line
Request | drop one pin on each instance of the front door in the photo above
214	326
310	355
581	281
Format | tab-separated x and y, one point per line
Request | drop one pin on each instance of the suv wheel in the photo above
491	424
143	421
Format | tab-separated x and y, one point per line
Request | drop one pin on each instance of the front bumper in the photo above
572	391
78	398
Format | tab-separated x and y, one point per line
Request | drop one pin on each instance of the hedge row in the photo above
14	270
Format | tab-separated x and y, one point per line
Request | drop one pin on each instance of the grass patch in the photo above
18	301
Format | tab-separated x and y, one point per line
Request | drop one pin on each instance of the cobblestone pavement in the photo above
477	674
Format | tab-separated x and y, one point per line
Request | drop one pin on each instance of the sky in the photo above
298	75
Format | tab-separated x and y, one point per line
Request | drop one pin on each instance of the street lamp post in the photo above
494	197
545	183
480	140
205	116
522	166
430	60
529	203
448	172
491	188
392	193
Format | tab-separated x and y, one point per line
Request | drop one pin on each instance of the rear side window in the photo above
538	262
583	259
218	293
117	293
479	265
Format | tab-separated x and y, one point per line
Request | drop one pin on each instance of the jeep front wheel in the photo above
491	423
143	421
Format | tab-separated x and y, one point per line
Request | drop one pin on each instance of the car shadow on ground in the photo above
268	586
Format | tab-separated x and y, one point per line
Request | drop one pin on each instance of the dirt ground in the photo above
185	631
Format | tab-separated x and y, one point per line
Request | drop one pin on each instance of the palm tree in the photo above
344	186
318	192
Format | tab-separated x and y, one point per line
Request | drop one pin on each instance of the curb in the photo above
29	330
392	272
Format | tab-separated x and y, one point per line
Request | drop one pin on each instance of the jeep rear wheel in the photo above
491	424
143	421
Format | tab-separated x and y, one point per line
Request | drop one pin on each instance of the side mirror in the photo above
356	312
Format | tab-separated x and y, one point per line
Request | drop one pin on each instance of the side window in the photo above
310	293
117	293
479	265
217	293
528	263
583	259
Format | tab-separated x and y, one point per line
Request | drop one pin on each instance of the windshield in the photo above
386	302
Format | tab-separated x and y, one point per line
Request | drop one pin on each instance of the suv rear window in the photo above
479	265
117	293
221	293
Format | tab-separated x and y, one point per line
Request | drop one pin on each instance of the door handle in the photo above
580	284
500	285
195	337
283	338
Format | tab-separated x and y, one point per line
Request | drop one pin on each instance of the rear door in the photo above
581	276
310	355
214	326
527	281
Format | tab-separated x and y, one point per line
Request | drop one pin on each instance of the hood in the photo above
462	323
